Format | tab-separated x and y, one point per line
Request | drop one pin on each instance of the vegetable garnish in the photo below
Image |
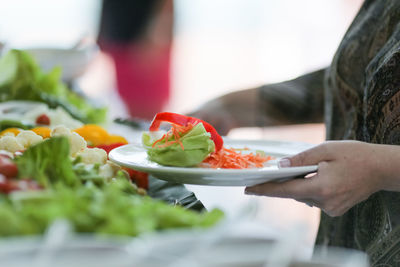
183	120
96	135
170	149
7	167
184	146
232	159
110	147
173	136
43	119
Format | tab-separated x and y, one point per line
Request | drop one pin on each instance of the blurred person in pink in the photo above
138	35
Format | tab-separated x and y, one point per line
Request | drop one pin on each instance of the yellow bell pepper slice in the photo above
93	134
14	131
42	131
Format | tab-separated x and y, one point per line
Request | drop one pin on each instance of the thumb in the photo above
308	157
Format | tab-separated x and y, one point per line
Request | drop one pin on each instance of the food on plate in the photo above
193	142
181	146
230	158
183	120
22	79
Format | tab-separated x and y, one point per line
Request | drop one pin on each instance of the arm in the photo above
348	173
295	101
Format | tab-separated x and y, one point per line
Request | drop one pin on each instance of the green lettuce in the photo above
5	124
48	162
91	209
22	79
197	146
78	195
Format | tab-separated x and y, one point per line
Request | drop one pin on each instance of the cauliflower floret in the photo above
109	170
10	143
60	130
8	134
76	142
28	138
93	155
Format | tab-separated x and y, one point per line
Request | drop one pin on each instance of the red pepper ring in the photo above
183	120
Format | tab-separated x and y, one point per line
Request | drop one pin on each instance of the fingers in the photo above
309	202
296	188
311	156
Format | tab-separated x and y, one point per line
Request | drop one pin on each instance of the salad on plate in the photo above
191	142
192	152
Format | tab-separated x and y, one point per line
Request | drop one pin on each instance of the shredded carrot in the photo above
229	158
173	136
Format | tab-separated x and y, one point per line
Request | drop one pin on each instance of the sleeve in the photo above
296	101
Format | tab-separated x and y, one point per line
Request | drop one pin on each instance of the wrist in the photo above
386	166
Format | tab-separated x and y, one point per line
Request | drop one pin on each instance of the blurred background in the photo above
215	46
175	55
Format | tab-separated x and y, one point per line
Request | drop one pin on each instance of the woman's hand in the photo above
348	173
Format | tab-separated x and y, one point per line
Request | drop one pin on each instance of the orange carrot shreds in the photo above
173	136
229	158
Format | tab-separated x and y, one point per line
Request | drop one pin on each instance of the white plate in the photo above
134	156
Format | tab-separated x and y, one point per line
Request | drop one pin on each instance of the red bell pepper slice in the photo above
110	147
183	120
141	179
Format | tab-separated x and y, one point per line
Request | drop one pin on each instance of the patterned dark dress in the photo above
359	96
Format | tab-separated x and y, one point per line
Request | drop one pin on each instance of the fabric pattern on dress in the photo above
362	91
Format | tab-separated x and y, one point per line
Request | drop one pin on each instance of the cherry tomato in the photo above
43	120
7	167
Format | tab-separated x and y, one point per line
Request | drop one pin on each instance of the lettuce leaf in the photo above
48	162
91	209
22	79
197	146
5	124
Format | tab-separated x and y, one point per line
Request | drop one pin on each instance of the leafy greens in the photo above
90	209
22	79
75	194
197	146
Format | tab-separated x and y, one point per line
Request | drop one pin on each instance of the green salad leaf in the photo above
5	124
22	79
91	209
77	194
197	146
48	162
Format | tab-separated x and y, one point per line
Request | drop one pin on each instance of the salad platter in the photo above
134	156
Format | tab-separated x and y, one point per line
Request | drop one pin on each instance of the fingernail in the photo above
284	163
